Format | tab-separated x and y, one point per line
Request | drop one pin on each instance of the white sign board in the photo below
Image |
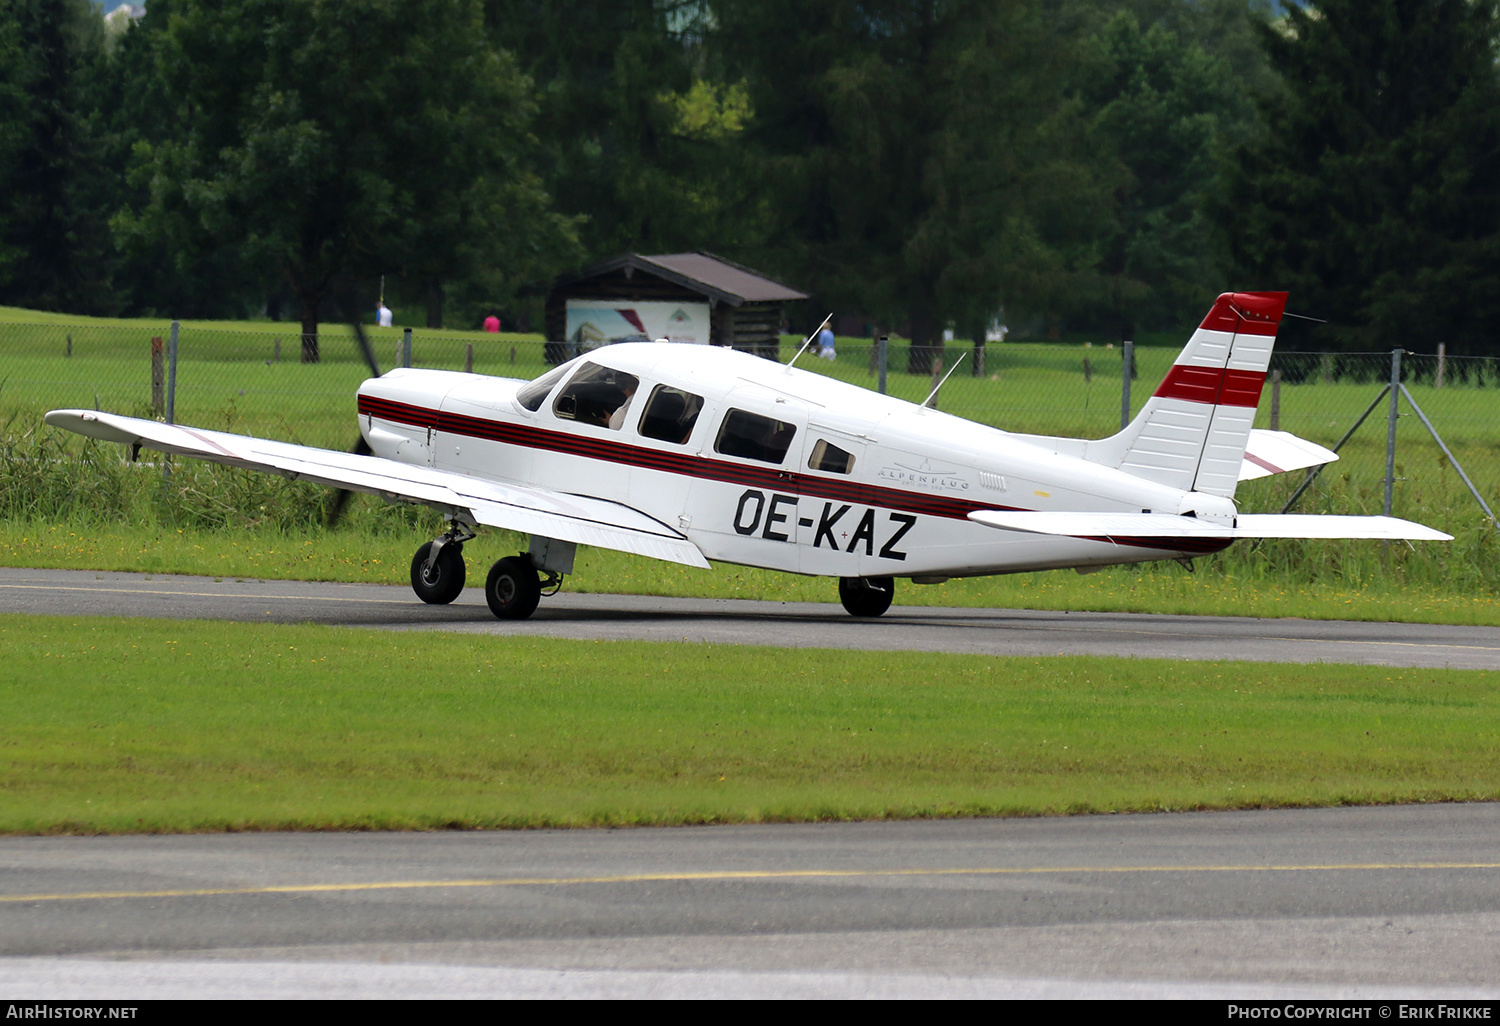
599	322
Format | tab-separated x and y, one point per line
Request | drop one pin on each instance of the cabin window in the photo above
670	415
596	395
755	437
532	394
829	457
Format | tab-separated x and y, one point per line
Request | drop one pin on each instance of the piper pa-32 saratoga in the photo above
695	454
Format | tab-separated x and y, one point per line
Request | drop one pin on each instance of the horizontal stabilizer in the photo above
1166	526
576	518
1276	452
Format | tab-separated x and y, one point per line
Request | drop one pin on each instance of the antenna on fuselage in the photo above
933	395
816	332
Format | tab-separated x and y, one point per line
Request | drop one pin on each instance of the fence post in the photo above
1276	400
1127	364
406	348
70	345
1442	362
158	378
1390	434
937	379
276	351
883	350
468	358
172	375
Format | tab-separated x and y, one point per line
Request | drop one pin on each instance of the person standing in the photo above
492	323
383	315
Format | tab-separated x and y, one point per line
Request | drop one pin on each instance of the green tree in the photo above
54	239
1374	193
639	135
925	162
128	105
318	137
1164	107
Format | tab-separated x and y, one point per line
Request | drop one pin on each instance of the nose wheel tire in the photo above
513	588
441	584
866	596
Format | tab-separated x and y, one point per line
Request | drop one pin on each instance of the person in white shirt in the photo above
617	419
383	315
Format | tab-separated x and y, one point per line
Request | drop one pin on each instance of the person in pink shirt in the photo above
492	323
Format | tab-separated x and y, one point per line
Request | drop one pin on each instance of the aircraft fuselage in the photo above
769	466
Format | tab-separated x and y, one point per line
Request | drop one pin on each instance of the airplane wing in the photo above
1276	452
575	518
1166	526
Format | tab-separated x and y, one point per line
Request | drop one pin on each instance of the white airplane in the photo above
699	454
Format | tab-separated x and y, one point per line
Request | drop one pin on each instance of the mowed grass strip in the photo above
142	725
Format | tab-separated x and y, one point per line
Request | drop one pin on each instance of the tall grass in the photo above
47	478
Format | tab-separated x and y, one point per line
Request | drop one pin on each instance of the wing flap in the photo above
576	518
1167	526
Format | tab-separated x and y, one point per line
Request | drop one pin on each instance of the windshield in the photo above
532	394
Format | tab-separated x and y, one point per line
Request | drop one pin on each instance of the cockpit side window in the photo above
754	437
532	394
670	415
829	457
596	395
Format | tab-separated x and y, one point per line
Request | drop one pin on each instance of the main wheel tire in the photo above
513	588
445	580
866	596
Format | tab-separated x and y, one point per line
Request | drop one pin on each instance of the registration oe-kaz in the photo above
701	455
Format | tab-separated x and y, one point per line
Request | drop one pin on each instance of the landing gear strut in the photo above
437	569
866	596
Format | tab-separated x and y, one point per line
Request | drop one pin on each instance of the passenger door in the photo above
743	507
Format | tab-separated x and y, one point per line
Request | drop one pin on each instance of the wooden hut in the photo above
708	298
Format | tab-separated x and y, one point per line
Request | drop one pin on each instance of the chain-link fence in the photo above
256	382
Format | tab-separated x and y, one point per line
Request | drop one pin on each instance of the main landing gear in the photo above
866	596
515	584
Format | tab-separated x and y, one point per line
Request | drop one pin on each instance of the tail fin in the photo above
1192	432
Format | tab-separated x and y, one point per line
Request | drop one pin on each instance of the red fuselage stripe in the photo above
709	469
684	463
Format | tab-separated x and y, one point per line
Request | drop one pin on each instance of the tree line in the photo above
1100	165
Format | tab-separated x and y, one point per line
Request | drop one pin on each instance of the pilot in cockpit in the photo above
617	418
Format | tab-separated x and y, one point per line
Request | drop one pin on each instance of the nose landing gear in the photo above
437	569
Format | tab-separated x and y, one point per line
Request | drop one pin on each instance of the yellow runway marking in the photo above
730	875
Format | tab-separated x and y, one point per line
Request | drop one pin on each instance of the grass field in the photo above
138	725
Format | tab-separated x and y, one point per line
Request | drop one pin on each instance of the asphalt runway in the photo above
787	624
1354	902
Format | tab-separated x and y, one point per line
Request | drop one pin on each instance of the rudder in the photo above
1192	432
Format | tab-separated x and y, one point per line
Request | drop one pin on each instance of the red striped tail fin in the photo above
1192	432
